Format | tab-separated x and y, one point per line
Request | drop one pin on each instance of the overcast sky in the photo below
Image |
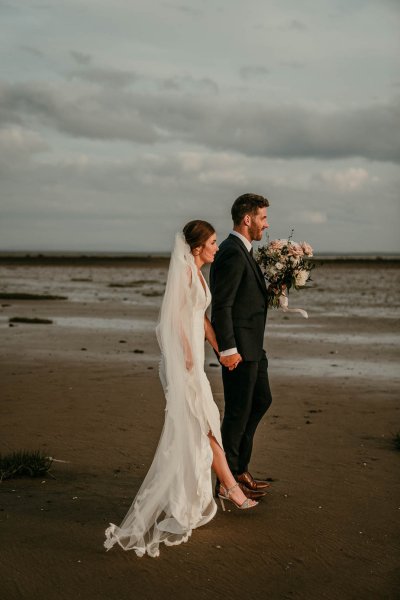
121	120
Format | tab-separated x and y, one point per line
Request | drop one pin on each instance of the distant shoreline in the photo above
152	260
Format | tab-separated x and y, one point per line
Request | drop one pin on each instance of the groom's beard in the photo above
255	233
256	236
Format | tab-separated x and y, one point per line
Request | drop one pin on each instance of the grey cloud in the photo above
189	10
32	50
17	147
182	8
292	64
8	7
98	114
121	201
79	189
253	72
113	77
106	77
190	84
171	83
285	131
80	57
280	131
297	25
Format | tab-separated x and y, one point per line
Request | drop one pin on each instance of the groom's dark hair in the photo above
247	204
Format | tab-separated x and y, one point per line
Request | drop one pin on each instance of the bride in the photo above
176	494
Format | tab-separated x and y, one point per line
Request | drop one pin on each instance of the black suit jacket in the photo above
239	300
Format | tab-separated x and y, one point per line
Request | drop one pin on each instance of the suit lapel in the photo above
252	262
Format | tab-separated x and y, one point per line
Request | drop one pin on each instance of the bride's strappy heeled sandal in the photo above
225	494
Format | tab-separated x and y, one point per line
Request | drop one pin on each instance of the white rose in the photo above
279	266
301	278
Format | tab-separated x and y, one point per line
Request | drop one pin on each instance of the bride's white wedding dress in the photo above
176	494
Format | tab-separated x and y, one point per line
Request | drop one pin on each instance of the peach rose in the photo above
307	249
294	249
276	245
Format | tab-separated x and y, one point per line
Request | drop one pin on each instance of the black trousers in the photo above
247	398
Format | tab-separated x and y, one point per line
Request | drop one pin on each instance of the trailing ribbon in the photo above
284	306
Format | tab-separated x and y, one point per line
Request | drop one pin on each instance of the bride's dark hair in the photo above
197	233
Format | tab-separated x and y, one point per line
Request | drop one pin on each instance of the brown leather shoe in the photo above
253	484
252	494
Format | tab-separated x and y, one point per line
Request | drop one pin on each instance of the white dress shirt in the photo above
248	245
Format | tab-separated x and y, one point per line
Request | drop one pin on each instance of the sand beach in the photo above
85	389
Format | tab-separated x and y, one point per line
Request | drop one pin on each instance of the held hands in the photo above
230	362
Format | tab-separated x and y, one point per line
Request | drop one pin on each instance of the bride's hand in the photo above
235	364
189	363
231	361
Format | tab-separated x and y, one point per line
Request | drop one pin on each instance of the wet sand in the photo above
85	389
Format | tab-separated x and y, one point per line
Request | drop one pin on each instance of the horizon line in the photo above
115	254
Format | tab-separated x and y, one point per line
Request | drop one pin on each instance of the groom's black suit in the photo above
239	312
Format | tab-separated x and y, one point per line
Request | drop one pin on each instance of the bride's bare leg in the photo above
223	471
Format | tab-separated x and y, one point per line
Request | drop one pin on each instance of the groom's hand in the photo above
230	362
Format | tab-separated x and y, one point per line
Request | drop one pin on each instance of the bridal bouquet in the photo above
285	264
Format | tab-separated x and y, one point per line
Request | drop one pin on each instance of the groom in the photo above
239	311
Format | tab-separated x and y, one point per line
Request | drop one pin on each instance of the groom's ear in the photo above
247	220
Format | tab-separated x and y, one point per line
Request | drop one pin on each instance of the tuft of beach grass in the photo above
34	320
24	463
152	293
136	283
24	296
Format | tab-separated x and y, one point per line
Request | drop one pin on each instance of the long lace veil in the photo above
174	323
171	500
